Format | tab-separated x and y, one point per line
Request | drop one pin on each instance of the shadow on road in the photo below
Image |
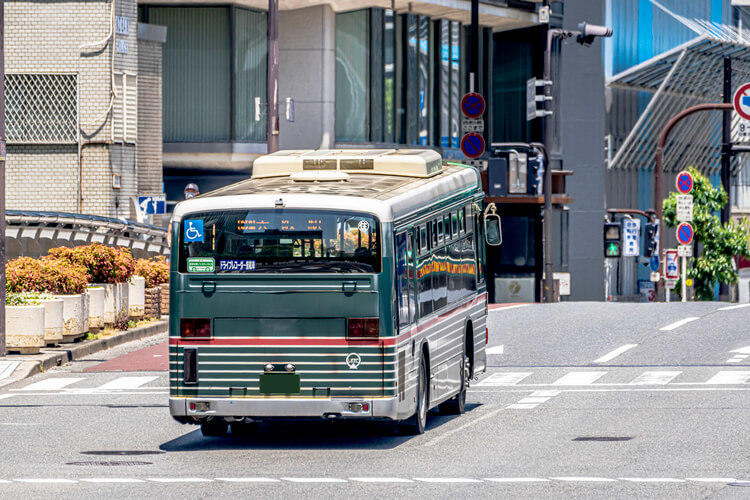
311	435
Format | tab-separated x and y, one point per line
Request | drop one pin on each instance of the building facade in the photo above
73	123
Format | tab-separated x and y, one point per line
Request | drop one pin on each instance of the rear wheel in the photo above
418	422
214	427
457	404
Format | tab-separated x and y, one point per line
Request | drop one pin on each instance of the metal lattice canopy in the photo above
689	74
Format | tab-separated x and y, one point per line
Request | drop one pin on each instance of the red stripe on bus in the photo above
294	341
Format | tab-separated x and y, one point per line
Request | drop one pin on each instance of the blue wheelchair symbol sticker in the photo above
193	230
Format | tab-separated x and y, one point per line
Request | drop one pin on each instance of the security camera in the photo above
594	30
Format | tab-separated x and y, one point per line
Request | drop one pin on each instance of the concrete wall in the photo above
307	73
582	133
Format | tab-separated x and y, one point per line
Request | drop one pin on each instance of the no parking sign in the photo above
742	101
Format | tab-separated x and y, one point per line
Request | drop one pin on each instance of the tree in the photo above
720	242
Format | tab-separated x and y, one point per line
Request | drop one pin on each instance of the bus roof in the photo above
387	196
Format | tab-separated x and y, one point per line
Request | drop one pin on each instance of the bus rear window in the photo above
279	241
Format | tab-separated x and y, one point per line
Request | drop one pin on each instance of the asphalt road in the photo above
580	400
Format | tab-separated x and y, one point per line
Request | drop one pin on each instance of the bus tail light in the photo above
363	328
195	328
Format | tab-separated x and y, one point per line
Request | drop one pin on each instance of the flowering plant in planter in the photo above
45	275
155	270
104	264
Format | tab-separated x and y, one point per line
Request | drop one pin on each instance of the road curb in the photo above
74	352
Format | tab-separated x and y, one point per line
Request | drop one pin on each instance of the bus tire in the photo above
214	427
457	404
418	422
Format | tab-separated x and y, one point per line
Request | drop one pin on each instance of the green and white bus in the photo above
331	284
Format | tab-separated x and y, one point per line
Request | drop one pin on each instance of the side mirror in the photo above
493	231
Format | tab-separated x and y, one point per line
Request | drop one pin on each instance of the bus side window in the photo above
422	239
440	235
447	226
454	224
403	287
461	221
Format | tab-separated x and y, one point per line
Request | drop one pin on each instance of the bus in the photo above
331	284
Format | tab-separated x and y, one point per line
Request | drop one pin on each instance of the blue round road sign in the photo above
685	233
472	145
473	105
684	182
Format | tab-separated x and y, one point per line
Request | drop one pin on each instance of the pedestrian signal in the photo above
612	240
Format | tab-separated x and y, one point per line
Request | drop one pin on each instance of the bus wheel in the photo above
214	427
417	423
457	404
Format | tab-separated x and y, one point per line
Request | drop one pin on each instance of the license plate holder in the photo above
279	383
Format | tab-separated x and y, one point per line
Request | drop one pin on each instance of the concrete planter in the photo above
24	329
136	297
96	307
53	321
111	302
123	295
75	316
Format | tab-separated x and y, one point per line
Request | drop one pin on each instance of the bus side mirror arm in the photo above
493	232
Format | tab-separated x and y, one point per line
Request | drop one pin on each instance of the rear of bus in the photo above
277	312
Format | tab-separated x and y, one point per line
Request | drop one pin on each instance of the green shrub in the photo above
51	275
26	298
104	264
155	270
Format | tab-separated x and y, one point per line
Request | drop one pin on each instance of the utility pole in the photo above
272	125
474	46
726	156
2	177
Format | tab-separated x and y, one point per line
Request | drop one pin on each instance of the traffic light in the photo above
650	239
612	240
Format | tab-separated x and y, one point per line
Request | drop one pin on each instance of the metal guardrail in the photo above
33	234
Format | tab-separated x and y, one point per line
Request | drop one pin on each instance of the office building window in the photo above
250	76
352	76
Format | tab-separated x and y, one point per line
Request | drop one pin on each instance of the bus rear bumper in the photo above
200	408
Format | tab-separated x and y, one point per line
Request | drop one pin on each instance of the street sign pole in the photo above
684	279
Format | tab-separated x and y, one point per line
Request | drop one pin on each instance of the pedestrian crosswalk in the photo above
600	378
93	385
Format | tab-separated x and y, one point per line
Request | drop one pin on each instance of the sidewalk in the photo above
14	368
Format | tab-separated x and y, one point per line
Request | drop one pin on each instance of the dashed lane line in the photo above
126	383
655	377
678	324
730	377
613	354
533	400
52	384
579	378
380	480
730	308
737	358
496	349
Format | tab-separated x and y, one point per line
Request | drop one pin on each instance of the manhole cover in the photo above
123	452
603	438
110	463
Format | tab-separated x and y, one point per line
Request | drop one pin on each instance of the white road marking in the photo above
711	479
505	308
737	358
533	400
729	377
6	396
506	378
314	479
22	424
521	406
126	383
652	479
381	479
516	479
180	480
655	378
451	432
583	478
496	349
113	480
51	384
248	479
42	480
678	324
613	354
742	350
729	308
579	378
7	368
448	480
